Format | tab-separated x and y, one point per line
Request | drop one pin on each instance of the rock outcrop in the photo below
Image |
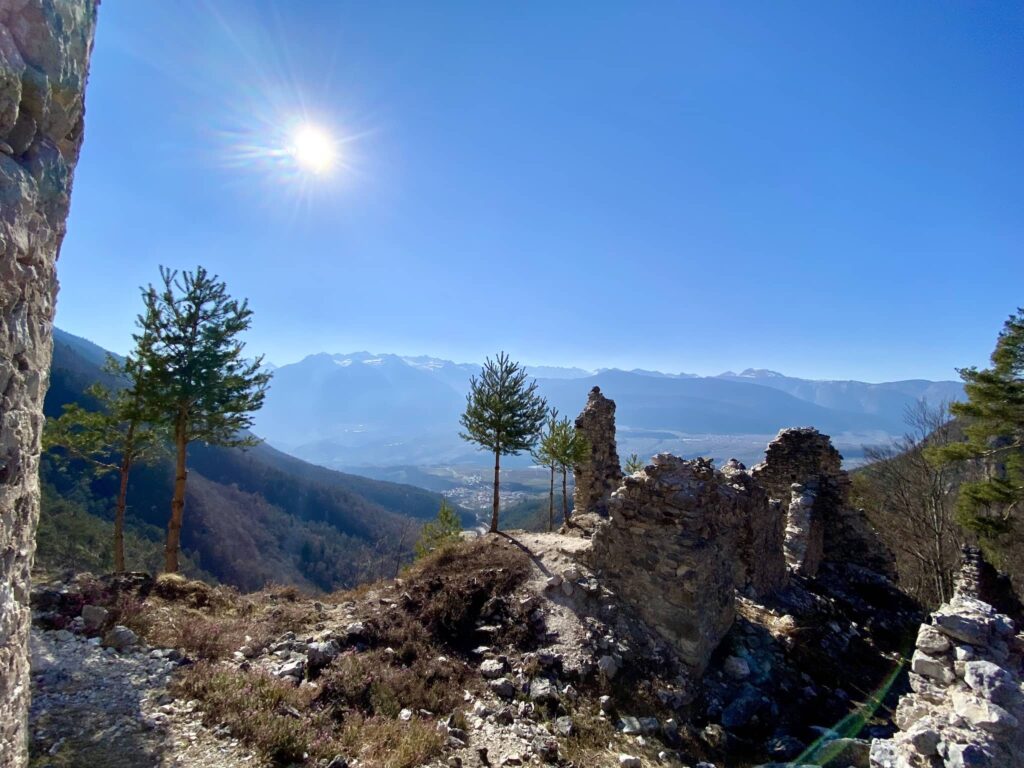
803	471
601	474
44	54
668	550
967	705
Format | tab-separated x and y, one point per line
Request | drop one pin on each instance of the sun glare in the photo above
313	149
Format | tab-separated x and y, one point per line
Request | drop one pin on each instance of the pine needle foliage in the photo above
993	417
447	528
204	387
504	415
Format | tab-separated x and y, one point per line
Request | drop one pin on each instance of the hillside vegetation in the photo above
254	516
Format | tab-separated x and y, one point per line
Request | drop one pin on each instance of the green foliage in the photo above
993	418
633	464
202	385
115	431
569	446
544	453
445	529
504	413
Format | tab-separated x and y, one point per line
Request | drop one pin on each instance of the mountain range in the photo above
363	410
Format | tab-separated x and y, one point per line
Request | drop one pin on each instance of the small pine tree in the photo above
115	436
446	528
204	389
993	418
504	415
571	449
544	454
633	464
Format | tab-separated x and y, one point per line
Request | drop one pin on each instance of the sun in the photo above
313	149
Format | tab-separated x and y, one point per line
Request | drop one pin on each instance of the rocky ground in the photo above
98	706
509	651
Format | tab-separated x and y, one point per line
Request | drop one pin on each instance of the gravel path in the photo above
96	708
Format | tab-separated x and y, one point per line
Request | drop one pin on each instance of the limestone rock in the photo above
44	56
601	474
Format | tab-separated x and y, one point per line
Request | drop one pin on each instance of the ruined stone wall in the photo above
967	678
803	472
601	474
44	54
668	550
760	564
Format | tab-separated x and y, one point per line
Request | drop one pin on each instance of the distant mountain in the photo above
369	410
252	516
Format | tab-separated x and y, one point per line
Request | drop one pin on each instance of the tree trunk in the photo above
122	502
565	499
177	503
551	501
497	485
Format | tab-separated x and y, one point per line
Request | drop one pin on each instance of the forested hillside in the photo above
253	516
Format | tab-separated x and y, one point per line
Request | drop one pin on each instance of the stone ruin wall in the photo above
760	562
803	472
597	478
966	708
668	550
44	55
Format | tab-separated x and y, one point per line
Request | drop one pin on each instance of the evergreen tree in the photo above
204	389
993	418
504	415
114	437
571	448
446	528
633	464
544	454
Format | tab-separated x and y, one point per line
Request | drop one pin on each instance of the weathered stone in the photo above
503	688
991	681
672	532
982	713
608	666
629	761
120	638
491	668
543	691
51	40
736	667
95	617
820	523
931	641
598	477
760	561
319	655
938	669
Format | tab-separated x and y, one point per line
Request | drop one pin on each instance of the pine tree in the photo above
633	464
544	454
204	389
115	436
446	528
571	448
504	415
993	418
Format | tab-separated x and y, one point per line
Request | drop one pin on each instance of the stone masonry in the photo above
966	709
803	472
601	474
44	54
668	550
760	564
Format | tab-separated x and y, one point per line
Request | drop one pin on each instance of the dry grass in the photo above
211	622
292	725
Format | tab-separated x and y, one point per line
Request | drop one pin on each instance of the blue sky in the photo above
833	190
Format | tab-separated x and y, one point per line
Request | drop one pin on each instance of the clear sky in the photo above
832	190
